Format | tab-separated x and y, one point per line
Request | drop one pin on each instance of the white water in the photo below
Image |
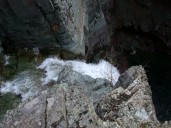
6	58
25	83
101	70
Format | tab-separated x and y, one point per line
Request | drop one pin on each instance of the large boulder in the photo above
130	103
88	102
68	97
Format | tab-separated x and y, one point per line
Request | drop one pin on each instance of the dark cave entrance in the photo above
158	69
147	49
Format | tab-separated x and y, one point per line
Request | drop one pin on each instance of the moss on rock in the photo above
7	102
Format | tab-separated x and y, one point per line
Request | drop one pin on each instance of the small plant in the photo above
111	74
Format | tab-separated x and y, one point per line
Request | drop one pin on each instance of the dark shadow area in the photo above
158	69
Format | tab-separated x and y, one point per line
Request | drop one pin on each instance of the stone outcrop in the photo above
86	102
52	24
130	103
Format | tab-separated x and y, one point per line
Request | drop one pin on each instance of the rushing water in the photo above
29	83
158	68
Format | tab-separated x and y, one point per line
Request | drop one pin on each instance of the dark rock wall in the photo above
137	23
25	24
52	24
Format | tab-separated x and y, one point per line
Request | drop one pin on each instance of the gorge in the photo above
82	34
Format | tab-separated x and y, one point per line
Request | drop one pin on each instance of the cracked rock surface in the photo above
87	102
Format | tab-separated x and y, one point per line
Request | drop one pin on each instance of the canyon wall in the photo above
52	24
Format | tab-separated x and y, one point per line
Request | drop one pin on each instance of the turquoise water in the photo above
158	68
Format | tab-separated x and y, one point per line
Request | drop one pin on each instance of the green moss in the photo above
8	71
19	62
7	102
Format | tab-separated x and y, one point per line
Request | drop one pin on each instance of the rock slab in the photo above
82	103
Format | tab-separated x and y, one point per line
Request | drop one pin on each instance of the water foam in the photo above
101	70
23	85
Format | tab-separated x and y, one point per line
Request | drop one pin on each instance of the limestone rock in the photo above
130	104
86	102
60	105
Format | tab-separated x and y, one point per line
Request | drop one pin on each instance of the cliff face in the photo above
51	24
72	25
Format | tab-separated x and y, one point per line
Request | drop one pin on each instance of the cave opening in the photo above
158	69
